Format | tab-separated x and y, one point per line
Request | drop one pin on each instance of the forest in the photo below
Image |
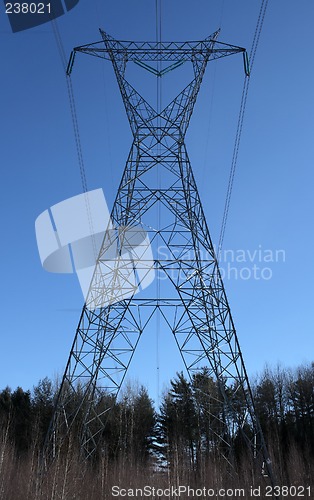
170	445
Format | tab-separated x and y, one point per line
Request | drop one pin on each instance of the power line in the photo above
256	38
77	137
72	105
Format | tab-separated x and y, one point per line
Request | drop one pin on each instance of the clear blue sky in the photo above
272	201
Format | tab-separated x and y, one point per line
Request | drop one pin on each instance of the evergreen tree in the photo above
179	425
21	428
42	404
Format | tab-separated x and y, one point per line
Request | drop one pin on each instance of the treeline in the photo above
174	442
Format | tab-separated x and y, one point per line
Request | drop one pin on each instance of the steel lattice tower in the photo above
192	302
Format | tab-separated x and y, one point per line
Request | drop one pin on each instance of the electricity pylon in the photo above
158	193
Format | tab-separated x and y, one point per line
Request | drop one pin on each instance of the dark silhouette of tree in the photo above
42	404
179	426
130	427
5	406
301	401
21	427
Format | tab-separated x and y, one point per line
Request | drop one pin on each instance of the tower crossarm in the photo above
209	48
144	119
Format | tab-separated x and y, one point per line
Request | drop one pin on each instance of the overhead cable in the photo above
257	34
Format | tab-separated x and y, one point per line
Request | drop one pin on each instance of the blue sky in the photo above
272	202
